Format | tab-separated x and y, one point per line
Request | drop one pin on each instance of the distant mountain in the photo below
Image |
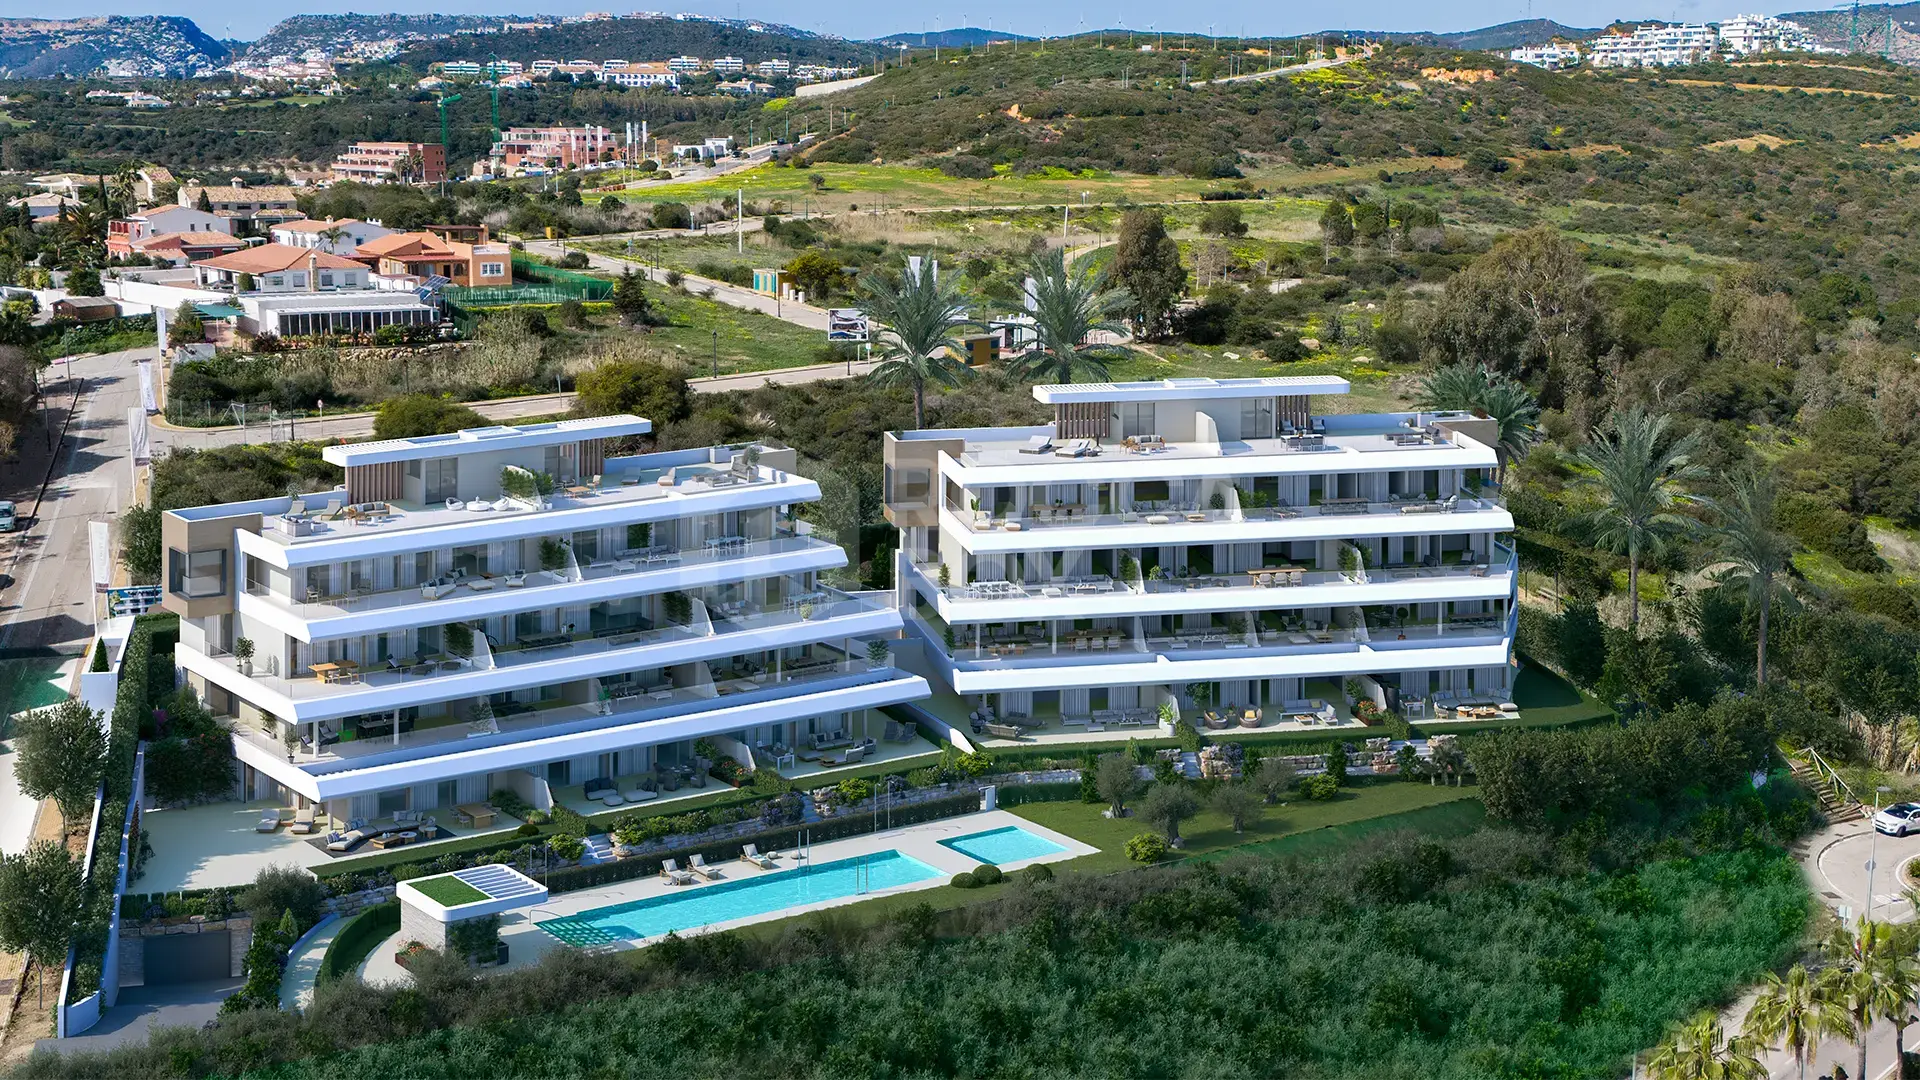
1512	35
1832	27
139	46
337	34
958	38
656	37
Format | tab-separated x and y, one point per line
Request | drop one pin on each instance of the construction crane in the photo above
446	149
1853	23
493	85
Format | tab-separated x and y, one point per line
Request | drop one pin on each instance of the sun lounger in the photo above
269	821
751	853
302	820
699	865
1039	444
670	870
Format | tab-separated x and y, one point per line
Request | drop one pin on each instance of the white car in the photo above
1898	819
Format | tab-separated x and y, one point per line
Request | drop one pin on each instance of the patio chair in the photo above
269	821
751	853
1039	444
456	504
699	866
670	870
302	820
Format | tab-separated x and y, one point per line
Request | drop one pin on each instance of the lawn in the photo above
448	890
699	329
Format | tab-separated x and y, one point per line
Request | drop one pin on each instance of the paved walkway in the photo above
805	315
303	967
144	1008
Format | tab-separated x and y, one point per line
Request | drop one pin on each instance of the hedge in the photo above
358	938
1021	794
854	824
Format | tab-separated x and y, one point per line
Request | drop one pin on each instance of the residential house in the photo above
385	162
124	233
276	268
427	254
436	630
1175	547
182	248
309	233
44	209
251	209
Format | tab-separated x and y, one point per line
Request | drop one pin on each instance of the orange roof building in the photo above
281	268
424	254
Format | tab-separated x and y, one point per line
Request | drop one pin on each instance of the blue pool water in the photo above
997	846
702	905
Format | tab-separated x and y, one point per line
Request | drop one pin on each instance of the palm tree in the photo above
1069	307
917	319
1479	389
1757	555
332	234
1702	1051
1797	1012
122	188
1638	469
1875	977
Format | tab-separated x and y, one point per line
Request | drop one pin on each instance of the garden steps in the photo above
1835	805
599	850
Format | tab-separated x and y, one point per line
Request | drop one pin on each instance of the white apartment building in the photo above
1553	56
684	64
435	630
773	69
643	76
1201	543
1745	35
728	65
1653	46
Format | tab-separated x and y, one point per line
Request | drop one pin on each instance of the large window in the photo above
195	574
442	477
1256	418
907	486
1136	418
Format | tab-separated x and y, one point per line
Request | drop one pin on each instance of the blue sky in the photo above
873	18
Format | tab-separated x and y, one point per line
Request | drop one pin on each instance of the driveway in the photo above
143	1008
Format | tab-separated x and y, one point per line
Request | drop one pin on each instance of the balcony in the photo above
1172	517
432	735
631	573
1016	447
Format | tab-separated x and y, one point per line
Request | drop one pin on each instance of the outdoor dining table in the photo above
336	671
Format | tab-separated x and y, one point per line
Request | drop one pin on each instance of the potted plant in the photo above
243	654
946	575
980	517
806	611
878	655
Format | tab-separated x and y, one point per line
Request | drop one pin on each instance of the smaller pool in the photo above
1005	845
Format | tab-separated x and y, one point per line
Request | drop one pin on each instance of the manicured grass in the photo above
1211	832
358	938
448	890
1448	819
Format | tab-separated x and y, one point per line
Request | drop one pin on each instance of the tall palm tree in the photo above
1500	397
1071	306
1797	1012
916	320
1757	556
1702	1051
1638	470
122	188
332	234
1875	977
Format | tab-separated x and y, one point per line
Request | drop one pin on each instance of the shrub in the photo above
1320	788
1147	847
1038	873
358	938
988	874
527	828
963	880
99	656
567	847
279	889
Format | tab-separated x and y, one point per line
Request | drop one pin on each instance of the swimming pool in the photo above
1004	845
703	905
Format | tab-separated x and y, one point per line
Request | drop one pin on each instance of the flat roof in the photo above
497	437
1193	389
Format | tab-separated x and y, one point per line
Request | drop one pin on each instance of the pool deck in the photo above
527	943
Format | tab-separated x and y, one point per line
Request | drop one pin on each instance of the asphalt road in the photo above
733	295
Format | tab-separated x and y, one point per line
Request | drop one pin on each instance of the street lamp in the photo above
1873	852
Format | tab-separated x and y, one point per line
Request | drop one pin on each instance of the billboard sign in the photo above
847	324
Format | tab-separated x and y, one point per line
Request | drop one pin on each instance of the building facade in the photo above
427	254
1553	56
388	162
1180	546
1653	46
308	233
643	76
1746	35
553	147
436	630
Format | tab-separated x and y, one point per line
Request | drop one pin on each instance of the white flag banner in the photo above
100	538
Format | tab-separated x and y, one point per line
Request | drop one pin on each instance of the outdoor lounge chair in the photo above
302	820
670	870
269	821
1039	444
699	866
1077	448
751	853
349	840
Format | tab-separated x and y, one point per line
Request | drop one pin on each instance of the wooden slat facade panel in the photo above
1082	419
383	482
1293	410
593	457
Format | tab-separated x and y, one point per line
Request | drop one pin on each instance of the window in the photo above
492	269
442	479
393	802
326	279
908	487
526	624
300	279
559	773
274	281
1256	418
1136	418
195	574
447	793
586	545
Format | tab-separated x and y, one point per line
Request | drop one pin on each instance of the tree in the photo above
670	215
817	274
917	320
280	890
140	543
1069	308
1116	780
1167	805
1525	307
1222	219
1757	556
1796	1013
630	299
1336	228
40	899
62	749
1273	778
1580	642
654	391
1702	1051
204	204
122	188
611	204
1146	263
1636	471
1478	389
186	327
1238	803
412	415
85	282
333	234
1875	976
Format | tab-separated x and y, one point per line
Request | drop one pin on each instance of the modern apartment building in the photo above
386	162
436	629
1204	543
553	147
1745	35
1553	56
643	77
1653	46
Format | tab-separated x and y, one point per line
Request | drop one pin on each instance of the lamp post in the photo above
1873	852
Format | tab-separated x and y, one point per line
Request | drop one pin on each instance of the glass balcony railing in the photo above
1172	516
628	567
